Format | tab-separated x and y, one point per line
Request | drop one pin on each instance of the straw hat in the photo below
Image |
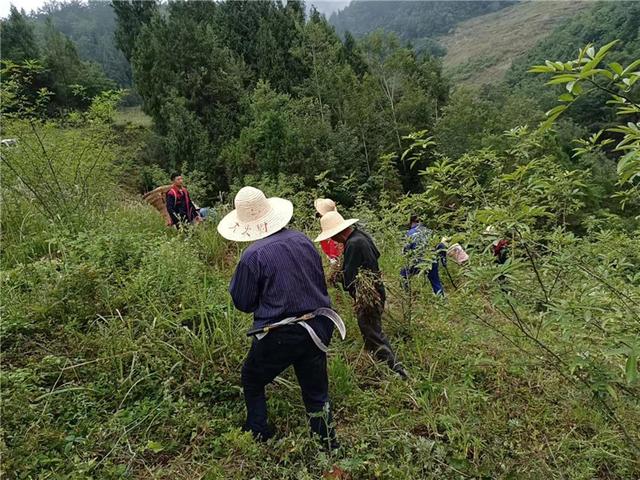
255	216
332	223
324	205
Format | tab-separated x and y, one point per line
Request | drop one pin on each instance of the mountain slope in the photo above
410	20
480	50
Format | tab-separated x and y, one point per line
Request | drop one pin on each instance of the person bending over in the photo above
362	279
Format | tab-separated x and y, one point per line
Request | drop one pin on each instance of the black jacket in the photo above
360	253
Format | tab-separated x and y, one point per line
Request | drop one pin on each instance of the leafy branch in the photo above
615	80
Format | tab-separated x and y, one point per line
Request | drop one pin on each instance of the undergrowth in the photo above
122	352
121	349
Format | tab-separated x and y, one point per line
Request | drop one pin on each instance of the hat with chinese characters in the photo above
255	216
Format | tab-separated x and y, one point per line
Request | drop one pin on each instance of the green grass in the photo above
132	116
121	348
122	353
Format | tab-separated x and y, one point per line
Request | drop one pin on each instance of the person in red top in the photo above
179	205
331	248
499	247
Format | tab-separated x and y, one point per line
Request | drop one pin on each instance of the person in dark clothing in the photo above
361	277
179	205
499	246
416	249
500	250
279	279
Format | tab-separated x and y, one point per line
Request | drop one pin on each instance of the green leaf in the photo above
562	79
604	73
566	97
629	166
616	68
603	51
541	69
631	67
631	368
155	447
556	110
577	89
551	116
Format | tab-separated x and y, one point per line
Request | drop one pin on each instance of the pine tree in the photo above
132	16
18	40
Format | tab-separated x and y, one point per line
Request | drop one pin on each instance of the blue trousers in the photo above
268	358
432	274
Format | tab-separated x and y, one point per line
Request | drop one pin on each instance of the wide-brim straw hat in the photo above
324	205
255	216
332	223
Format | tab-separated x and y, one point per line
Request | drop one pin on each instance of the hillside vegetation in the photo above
481	50
600	24
90	26
409	20
122	351
121	347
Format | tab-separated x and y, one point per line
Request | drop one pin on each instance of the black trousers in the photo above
269	357
369	314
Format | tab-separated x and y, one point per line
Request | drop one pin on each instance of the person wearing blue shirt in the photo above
415	250
280	277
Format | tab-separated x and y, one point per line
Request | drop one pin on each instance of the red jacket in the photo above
331	248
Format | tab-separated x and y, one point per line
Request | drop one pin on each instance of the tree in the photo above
132	15
90	25
263	35
285	136
73	82
407	93
331	79
181	60
352	54
18	39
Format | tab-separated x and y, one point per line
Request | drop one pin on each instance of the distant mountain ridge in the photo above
480	42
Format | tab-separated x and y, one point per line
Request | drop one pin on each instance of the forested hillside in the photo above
90	25
290	90
122	350
59	73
